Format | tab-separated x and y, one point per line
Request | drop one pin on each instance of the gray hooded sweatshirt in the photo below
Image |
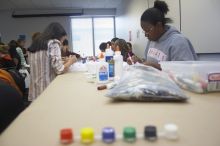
171	46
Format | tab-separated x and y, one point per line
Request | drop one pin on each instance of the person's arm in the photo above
21	55
182	50
56	59
24	50
73	53
135	59
72	59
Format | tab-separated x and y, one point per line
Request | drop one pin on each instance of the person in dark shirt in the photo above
13	53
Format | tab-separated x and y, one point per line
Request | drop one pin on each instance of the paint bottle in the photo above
102	71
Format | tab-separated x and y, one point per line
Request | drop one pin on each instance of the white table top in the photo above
70	101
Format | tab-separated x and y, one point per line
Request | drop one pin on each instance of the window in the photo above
89	33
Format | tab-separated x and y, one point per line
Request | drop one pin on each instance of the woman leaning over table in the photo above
45	59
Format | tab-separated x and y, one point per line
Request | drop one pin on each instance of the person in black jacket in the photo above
13	53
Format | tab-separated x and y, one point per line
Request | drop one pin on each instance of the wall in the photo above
128	19
200	23
10	27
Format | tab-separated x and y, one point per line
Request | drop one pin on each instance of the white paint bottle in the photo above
118	59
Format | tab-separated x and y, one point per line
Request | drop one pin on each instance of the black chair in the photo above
11	104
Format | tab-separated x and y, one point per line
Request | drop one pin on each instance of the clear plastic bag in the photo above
194	76
145	83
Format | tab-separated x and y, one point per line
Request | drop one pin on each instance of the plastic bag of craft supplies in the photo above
145	83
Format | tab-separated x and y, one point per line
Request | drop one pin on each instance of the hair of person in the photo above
20	40
35	35
53	31
157	13
129	44
122	44
114	39
103	46
65	42
109	43
12	48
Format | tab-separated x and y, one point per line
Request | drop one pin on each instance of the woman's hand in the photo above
69	61
134	59
155	65
72	59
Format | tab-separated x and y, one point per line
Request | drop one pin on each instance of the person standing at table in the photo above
165	43
45	59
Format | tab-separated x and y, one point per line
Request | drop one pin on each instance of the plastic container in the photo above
109	58
91	67
195	76
118	59
102	73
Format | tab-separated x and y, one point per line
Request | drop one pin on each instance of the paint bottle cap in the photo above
87	135
150	133
66	136
108	134
129	134
171	131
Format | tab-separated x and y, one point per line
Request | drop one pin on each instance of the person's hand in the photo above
72	59
155	65
132	60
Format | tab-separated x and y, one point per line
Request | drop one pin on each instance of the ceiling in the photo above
56	4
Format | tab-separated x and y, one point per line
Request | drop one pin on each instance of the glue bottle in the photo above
118	59
102	71
109	58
